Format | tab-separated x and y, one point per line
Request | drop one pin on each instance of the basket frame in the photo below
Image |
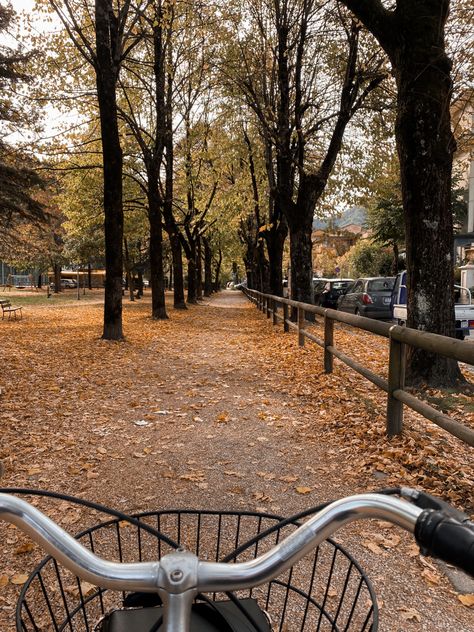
133	518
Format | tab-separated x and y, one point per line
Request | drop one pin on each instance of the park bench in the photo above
8	308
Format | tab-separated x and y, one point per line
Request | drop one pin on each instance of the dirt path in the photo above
213	408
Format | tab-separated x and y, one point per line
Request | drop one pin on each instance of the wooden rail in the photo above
398	338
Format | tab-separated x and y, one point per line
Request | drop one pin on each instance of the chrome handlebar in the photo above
179	576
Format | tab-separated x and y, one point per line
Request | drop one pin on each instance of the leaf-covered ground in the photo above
217	408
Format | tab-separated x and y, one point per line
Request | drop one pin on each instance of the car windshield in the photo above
381	285
341	285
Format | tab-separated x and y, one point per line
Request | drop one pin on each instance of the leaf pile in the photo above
214	408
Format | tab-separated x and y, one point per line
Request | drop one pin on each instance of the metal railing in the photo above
398	337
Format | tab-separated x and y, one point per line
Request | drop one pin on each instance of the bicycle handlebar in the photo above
179	576
209	576
447	539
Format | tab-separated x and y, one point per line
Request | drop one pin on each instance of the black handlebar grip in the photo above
427	501
447	539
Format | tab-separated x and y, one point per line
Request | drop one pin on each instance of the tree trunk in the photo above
413	37
157	279
57	278
177	269
301	261
106	78
207	267
89	276
128	271
192	295
140	286
217	272
199	288
170	223
424	90
275	240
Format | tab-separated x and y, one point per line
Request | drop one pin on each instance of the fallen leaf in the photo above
372	546
467	600
303	490
24	548
19	579
87	588
4	580
431	577
288	479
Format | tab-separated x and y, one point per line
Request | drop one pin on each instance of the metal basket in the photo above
325	591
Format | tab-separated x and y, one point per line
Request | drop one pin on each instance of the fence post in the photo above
396	380
274	309
286	327
328	342
300	326
269	307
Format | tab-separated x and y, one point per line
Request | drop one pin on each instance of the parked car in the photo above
328	294
368	297
463	308
318	285
66	284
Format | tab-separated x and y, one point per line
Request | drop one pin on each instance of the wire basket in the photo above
325	591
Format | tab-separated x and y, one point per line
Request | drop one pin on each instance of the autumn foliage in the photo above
215	408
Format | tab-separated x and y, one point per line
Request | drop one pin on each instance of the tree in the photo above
413	36
365	259
104	36
386	223
147	122
303	113
20	183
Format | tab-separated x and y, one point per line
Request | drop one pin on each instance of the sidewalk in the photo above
215	408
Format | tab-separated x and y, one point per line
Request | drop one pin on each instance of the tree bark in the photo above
300	256
157	278
207	267
199	287
178	276
217	272
275	240
57	278
128	271
192	294
413	37
106	80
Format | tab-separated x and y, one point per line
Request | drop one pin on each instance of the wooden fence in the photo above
398	338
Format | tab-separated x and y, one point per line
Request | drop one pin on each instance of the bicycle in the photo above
286	574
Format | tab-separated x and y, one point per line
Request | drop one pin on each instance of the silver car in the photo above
368	297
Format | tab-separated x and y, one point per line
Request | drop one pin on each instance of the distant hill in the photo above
355	215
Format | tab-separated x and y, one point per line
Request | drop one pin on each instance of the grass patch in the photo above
19	298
